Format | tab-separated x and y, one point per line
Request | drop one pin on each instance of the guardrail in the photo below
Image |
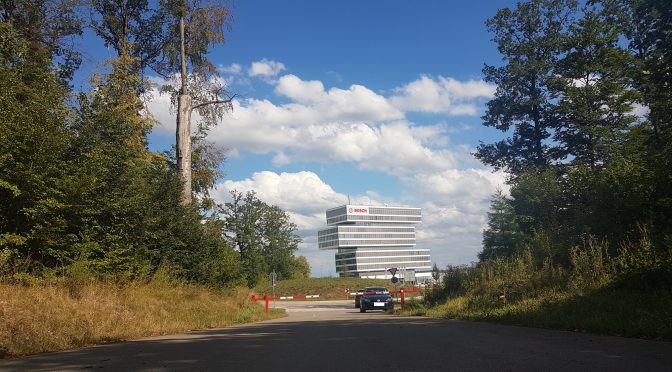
267	298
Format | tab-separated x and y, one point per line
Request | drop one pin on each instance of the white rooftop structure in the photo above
371	239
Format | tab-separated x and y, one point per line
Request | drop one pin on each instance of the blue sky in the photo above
376	100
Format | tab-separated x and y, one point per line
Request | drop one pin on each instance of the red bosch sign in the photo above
361	210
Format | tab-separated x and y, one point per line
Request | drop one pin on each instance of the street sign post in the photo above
273	279
394	279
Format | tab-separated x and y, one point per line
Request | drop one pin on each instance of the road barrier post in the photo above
266	299
402	298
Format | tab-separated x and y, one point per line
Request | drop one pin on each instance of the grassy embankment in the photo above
41	317
616	312
625	295
327	288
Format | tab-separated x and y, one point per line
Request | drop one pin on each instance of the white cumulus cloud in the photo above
316	124
234	68
303	194
442	95
265	68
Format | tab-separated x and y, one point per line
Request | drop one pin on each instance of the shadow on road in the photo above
369	343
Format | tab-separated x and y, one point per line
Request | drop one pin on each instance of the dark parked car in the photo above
376	301
368	290
358	297
376	290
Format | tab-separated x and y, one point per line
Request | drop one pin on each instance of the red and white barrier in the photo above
266	298
298	297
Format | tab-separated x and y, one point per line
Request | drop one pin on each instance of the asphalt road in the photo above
333	336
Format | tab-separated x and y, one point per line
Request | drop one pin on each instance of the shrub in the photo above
642	266
590	266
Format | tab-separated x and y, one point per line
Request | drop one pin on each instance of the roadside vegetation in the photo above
626	295
42	316
93	223
582	240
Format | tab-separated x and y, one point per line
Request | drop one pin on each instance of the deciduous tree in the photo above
263	234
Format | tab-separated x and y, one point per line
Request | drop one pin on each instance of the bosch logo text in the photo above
360	210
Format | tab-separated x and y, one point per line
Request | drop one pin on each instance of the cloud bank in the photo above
308	123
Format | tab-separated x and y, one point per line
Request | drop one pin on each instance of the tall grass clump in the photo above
629	293
48	315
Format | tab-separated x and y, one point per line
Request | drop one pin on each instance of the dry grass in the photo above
48	317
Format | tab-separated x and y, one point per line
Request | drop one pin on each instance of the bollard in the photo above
402	299
266	299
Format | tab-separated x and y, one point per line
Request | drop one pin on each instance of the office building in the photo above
370	240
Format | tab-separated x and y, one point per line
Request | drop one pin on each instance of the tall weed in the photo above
642	266
590	266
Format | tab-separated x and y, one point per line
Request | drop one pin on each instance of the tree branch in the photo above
214	102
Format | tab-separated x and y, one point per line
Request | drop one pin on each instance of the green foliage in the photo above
503	237
264	236
34	137
206	158
49	26
134	27
529	39
149	31
82	195
627	294
590	267
593	83
206	22
583	166
456	281
301	269
643	266
589	176
111	168
436	273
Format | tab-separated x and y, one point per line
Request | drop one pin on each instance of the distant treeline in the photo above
81	195
584	95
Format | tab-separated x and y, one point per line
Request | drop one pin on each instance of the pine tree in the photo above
595	90
503	237
529	39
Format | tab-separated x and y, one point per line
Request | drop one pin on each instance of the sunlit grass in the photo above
49	317
619	312
627	294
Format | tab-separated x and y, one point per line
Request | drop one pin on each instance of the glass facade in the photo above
369	240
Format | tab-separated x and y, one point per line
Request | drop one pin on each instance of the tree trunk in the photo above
183	127
183	141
